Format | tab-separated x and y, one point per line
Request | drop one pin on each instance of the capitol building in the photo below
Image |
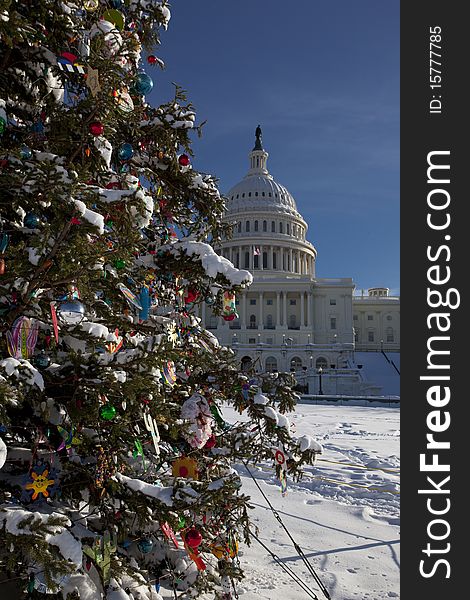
289	319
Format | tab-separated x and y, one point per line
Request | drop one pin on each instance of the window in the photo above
269	301
265	260
321	363
237	260
237	302
292	302
269	340
239	227
249	194
269	322
281	229
389	317
274	260
292	322
273	225
296	363
256	262
252	301
247	260
256	225
288	229
370	317
213	322
247	226
390	336
265	223
252	340
370	336
271	364
252	324
355	317
332	301
246	360
332	322
256	193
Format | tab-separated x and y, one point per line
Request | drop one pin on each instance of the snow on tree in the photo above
116	464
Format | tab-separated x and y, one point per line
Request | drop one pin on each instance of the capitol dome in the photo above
258	191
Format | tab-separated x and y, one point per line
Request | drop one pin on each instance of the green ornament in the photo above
100	554
107	412
181	523
120	263
2	125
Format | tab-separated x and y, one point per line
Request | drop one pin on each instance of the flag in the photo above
256	251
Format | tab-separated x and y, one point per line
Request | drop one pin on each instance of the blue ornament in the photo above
116	3
31	221
42	360
126	543
25	152
126	152
145	545
143	84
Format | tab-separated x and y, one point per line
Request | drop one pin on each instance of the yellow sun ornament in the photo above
185	467
40	484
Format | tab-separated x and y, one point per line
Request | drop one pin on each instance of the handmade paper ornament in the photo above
145	545
68	438
152	428
169	534
37	582
124	100
191	296
40	481
71	312
145	301
211	442
143	84
280	458
54	322
224	550
130	297
185	467
115	17
215	410
192	539
196	410
100	554
229	310
22	338
169	372
92	81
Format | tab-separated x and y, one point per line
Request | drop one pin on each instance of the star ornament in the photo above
40	482
68	438
185	467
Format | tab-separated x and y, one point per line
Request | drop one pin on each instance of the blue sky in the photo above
322	79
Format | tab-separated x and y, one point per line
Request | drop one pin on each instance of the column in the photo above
243	319
284	310
290	260
260	257
203	316
278	309
252	256
309	310
231	255
261	321
302	310
271	257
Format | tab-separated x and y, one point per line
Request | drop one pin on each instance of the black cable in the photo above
287	569
298	549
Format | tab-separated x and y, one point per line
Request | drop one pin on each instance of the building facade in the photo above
288	318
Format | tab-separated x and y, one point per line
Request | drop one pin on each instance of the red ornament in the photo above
191	296
152	59
211	442
228	317
96	128
193	538
184	160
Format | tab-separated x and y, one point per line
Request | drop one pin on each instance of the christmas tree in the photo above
117	474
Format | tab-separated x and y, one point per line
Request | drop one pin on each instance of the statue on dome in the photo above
258	134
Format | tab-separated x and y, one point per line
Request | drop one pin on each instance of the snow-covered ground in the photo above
349	533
